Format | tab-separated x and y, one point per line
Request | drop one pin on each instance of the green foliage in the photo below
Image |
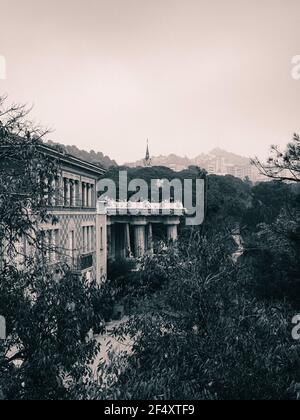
120	268
49	316
203	327
152	173
268	199
227	200
49	310
203	335
97	158
283	166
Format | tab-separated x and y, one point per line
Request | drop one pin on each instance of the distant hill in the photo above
179	163
171	161
217	161
217	153
97	158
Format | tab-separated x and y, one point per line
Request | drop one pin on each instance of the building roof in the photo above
66	158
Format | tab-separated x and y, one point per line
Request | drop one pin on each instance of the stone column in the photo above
83	195
67	192
88	187
72	193
60	193
127	241
77	194
139	240
92	199
101	247
172	234
172	223
53	192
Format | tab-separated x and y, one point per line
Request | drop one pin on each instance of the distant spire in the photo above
147	161
147	151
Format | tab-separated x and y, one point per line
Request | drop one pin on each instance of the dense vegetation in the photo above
208	326
97	158
49	311
204	324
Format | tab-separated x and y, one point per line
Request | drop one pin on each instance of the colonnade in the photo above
134	238
76	193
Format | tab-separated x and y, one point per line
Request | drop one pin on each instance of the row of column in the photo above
68	192
77	193
120	241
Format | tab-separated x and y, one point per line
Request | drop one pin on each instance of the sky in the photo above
190	75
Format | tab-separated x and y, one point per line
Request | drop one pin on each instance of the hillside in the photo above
97	158
217	161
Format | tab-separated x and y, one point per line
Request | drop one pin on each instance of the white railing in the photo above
112	207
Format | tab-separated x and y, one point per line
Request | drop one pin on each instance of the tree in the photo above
273	246
49	310
283	166
203	335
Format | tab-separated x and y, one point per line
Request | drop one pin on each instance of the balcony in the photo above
86	261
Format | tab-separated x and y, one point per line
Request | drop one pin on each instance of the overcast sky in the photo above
189	75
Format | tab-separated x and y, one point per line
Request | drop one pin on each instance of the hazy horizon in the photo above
189	75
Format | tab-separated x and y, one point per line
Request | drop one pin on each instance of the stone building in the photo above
79	236
88	234
80	233
131	226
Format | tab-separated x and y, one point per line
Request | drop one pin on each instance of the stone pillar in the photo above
172	224
88	187
77	194
72	193
127	241
139	240
101	247
92	196
67	192
150	239
172	234
83	195
53	192
60	193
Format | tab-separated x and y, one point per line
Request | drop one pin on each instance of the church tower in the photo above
147	160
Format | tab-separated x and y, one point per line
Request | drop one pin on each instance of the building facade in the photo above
87	234
79	237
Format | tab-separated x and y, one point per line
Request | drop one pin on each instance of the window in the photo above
101	238
51	244
88	240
